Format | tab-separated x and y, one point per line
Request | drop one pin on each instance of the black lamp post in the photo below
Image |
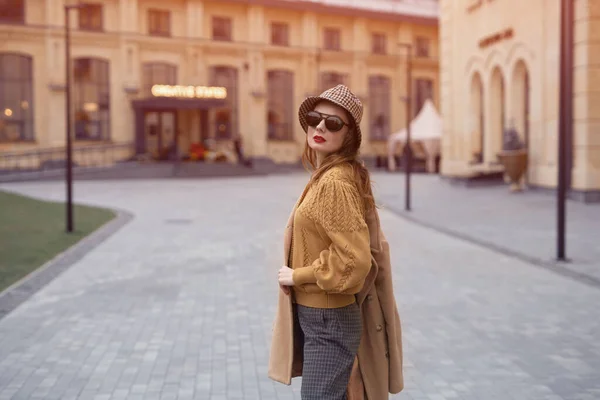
408	101
565	129
69	150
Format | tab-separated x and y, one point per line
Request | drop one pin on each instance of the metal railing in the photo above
44	161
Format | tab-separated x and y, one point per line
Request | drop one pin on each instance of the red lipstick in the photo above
319	139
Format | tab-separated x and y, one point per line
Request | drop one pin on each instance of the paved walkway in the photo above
523	224
178	304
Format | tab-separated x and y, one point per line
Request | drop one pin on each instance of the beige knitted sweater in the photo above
330	252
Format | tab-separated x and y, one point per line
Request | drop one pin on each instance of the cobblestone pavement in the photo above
520	223
179	303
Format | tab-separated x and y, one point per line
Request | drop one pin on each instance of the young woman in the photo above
329	254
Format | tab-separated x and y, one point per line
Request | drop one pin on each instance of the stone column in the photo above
310	31
585	182
54	13
128	13
446	87
359	84
195	19
253	91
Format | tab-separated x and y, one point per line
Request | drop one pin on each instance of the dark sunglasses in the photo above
333	123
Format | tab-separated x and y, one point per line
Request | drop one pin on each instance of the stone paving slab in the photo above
23	289
179	304
520	224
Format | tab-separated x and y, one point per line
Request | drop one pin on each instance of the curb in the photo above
552	266
23	289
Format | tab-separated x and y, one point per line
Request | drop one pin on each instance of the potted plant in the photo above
514	158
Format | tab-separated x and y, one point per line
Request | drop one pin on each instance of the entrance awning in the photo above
174	103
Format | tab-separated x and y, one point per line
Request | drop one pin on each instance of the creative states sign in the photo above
190	92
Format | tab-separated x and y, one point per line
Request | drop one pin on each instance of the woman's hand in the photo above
286	278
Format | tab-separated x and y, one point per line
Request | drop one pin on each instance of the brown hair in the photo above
348	153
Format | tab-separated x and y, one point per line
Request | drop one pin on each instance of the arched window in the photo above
423	92
498	121
332	79
91	94
16	97
157	73
280	117
520	100
379	107
477	120
225	119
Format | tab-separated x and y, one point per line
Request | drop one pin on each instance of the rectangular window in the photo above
12	11
221	28
280	34
90	17
159	22
332	39
422	46
379	43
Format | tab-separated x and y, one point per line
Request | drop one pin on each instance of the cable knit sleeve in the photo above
343	266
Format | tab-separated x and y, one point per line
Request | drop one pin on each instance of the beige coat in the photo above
379	368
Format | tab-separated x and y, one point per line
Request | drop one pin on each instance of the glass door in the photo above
167	131
160	131
152	132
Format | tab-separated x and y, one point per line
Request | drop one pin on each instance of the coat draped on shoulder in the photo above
378	368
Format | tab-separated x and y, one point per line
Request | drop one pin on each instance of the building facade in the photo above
171	75
500	67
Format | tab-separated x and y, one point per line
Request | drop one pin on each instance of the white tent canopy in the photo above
425	128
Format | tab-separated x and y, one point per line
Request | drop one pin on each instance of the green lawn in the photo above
33	232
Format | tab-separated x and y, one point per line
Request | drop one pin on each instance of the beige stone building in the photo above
163	77
500	65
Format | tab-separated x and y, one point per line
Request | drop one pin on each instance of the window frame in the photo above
228	28
99	71
25	120
84	19
422	47
329	79
332	39
380	86
281	92
420	95
18	18
379	46
284	29
157	15
232	100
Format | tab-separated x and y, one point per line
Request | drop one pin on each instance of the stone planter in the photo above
515	165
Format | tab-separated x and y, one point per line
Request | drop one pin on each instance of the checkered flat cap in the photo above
339	95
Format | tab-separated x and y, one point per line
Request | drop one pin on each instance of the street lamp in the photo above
565	120
408	101
69	150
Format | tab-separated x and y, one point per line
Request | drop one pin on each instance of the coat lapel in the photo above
281	360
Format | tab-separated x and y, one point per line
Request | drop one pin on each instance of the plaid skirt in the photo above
331	340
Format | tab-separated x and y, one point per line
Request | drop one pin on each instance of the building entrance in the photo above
160	130
157	131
